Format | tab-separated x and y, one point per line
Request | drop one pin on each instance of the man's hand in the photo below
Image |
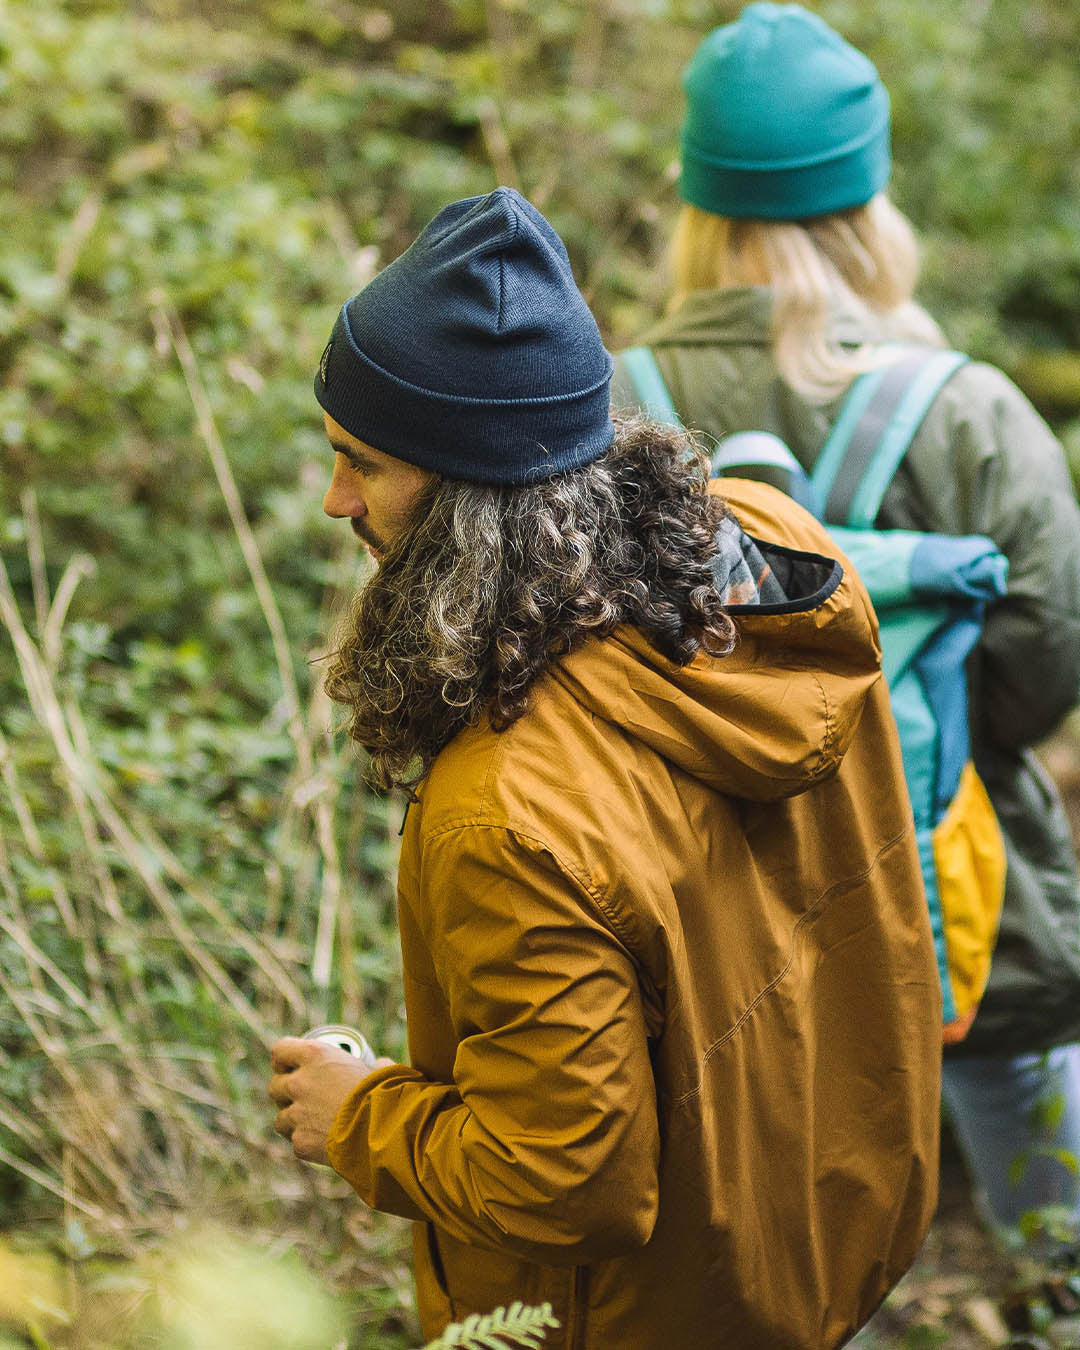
310	1083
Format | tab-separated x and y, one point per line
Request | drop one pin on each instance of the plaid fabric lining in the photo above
743	577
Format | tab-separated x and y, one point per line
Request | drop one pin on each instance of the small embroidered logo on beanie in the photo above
324	362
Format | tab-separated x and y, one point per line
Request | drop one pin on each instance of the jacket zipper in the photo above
579	1309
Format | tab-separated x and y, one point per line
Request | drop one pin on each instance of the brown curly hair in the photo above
486	586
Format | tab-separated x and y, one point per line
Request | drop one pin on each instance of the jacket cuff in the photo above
346	1143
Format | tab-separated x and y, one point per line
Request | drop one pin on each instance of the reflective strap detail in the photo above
880	415
640	364
868	434
832	453
897	437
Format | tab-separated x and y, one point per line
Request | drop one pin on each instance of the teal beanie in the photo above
784	119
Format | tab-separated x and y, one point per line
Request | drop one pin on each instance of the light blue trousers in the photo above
1017	1122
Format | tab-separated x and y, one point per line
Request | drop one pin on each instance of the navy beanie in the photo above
473	354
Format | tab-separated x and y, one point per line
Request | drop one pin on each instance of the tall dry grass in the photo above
141	1001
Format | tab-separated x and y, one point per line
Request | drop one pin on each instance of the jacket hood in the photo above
778	713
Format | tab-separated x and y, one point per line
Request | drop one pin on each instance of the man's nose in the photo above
343	501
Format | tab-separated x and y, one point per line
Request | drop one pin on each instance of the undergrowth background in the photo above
189	864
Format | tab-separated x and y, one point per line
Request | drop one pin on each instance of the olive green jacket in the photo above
983	462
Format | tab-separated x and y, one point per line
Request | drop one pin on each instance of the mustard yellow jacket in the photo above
673	1011
982	462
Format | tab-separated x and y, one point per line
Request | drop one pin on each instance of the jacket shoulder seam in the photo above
590	889
830	727
811	913
496	751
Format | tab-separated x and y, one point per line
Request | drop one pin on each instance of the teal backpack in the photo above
930	592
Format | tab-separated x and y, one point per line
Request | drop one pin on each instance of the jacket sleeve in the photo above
546	1142
1011	483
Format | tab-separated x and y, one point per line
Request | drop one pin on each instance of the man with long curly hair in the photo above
673	1010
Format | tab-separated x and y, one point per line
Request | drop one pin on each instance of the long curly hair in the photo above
486	586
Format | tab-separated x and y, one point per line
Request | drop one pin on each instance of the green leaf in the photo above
517	1325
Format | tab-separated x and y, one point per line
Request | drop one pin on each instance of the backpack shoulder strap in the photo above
748	449
881	414
640	364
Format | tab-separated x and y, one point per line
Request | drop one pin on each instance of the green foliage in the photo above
171	905
516	1325
925	1337
203	1290
254	163
188	862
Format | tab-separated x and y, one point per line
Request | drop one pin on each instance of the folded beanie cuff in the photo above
407	387
792	190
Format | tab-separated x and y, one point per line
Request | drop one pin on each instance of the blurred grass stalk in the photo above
309	787
130	1120
99	1157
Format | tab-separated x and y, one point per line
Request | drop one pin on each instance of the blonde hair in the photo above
867	256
